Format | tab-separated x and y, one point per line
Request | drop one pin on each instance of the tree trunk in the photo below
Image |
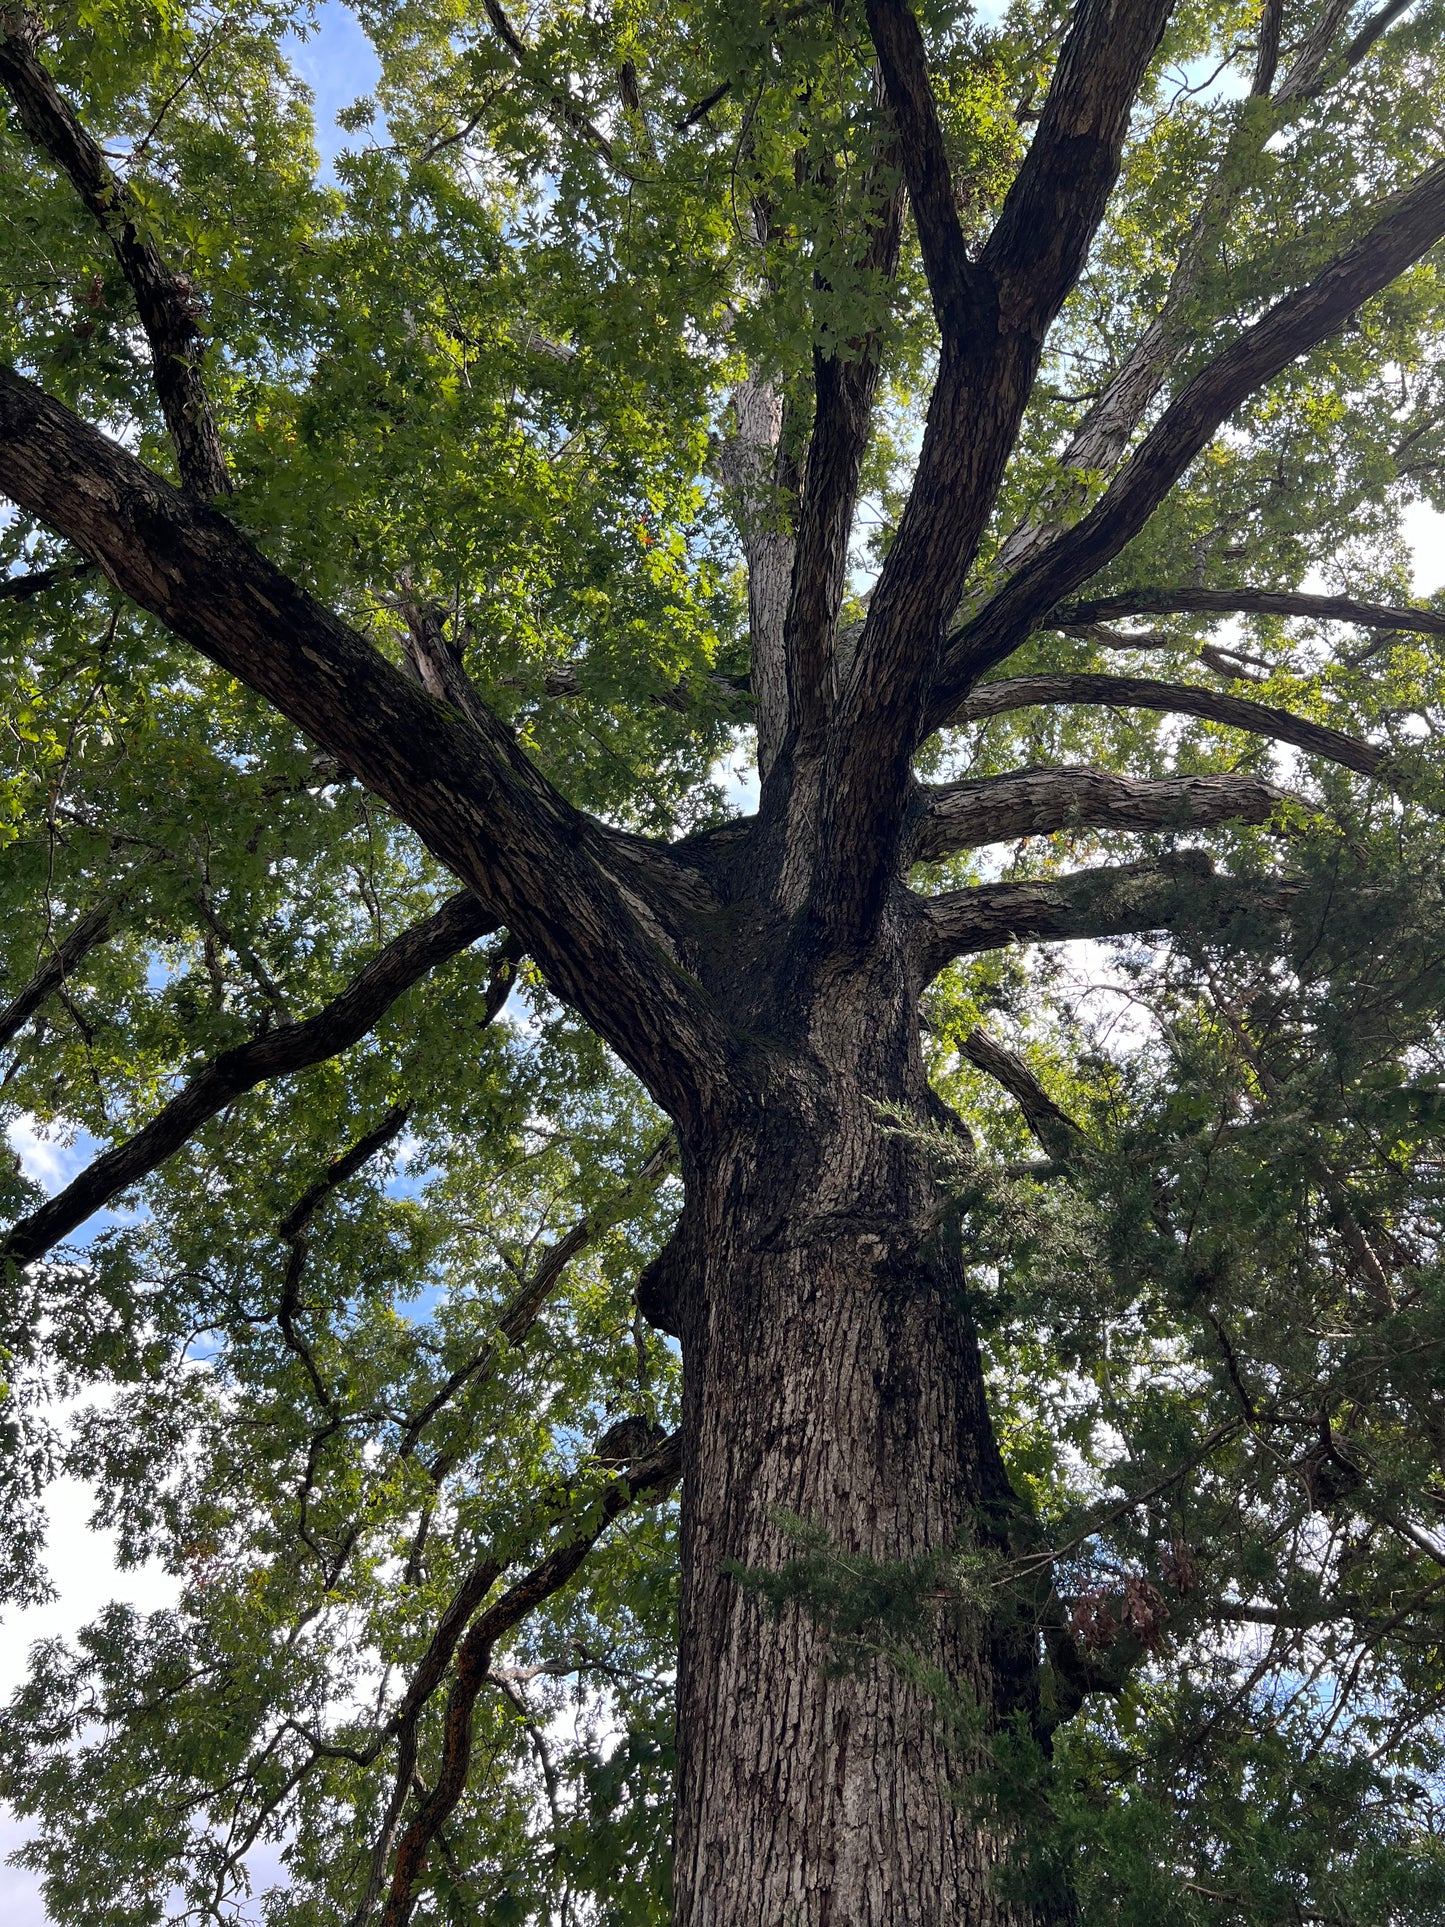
832	1374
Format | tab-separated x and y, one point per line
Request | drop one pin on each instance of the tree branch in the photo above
956	287
649	1476
993	320
1404	228
1123	900
1055	1130
295	1229
1249	602
753	464
1179	699
521	1310
559	99
93	929
1044	230
20	588
165	302
280	1053
845	381
580	897
1000	809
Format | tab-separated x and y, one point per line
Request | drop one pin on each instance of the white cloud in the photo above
81	1564
51	1161
1425	532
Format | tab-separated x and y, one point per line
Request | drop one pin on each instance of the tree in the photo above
859	377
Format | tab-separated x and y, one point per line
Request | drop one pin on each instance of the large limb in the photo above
845	379
1404	228
279	1053
1122	900
1178	699
163	300
754	466
1248	602
993	316
1037	802
572	892
1098	444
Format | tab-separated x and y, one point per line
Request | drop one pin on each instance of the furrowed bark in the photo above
280	1053
574	893
993	318
165	301
1178	699
999	809
1404	229
832	1376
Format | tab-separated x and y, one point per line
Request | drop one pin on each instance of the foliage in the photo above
482	366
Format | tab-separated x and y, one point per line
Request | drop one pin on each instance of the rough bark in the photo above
810	1791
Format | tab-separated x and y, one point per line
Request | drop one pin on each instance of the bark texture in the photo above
818	1785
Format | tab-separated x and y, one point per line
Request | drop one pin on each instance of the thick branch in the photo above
1055	1130
573	892
1405	227
1250	602
280	1053
1125	900
952	280
1101	438
20	588
645	1478
1043	233
844	381
561	102
93	929
994	322
1000	809
165	302
754	466
1179	699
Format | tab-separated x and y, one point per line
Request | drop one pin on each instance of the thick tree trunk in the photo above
833	1375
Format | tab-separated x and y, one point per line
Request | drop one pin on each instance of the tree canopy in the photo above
998	424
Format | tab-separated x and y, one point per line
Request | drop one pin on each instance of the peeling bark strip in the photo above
165	301
280	1053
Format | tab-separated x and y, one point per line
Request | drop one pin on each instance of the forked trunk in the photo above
832	1378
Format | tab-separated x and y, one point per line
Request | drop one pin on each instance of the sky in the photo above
339	65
